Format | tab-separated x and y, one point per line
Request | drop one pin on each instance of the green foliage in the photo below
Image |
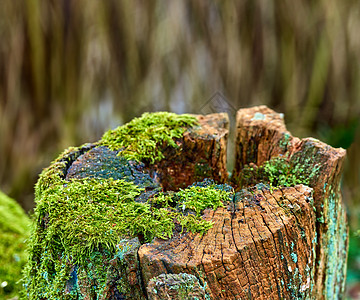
14	229
143	138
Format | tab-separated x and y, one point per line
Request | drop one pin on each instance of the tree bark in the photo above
176	287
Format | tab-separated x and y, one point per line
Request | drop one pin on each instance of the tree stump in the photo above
158	218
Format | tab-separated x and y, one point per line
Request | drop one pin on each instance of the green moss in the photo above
278	171
81	219
143	138
78	218
55	172
281	173
191	202
197	198
284	142
14	229
80	222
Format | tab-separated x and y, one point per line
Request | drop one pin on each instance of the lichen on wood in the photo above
260	141
180	286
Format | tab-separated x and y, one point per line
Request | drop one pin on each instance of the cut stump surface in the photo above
260	244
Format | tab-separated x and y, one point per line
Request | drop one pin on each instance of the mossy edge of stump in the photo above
259	233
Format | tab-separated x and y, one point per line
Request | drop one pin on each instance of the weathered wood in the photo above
261	246
262	135
201	154
268	241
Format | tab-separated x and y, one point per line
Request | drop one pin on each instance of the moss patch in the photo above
278	171
188	204
79	223
143	138
14	229
52	175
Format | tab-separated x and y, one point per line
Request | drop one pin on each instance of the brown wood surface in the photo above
260	247
201	154
261	135
176	287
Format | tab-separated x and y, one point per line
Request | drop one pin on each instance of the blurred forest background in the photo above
71	69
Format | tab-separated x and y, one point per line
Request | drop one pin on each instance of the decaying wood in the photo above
266	243
201	154
260	247
261	135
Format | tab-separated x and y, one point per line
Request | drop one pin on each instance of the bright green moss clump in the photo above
84	215
81	218
143	138
14	229
278	171
188	204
